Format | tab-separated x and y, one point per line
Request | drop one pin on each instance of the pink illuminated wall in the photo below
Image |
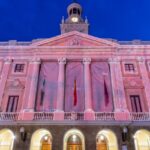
101	61
74	99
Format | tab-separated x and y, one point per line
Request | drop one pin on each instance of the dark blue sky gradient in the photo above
25	20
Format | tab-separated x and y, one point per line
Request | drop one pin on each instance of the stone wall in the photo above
58	132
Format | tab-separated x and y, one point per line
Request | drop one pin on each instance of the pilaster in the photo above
59	114
145	79
89	113
3	78
120	105
31	85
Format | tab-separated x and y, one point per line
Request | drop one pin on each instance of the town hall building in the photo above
75	91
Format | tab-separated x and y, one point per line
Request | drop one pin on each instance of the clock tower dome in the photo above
74	22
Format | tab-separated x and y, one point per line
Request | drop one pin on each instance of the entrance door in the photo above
74	147
46	145
74	143
102	146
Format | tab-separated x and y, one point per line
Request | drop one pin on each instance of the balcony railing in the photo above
140	116
43	116
107	116
9	116
77	116
74	116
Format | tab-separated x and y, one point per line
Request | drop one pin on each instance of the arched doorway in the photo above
41	140
74	140
74	143
6	139
46	143
101	143
142	140
106	140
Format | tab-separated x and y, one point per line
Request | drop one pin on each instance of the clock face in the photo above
74	19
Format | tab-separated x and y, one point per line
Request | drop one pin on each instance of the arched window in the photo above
71	12
101	143
74	11
41	140
79	11
74	140
6	139
142	140
106	140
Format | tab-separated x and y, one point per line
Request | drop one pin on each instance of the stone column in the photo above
30	90
3	78
89	113
145	79
120	104
31	85
59	114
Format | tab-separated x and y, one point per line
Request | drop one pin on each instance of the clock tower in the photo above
74	22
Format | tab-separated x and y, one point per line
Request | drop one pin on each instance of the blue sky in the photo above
25	20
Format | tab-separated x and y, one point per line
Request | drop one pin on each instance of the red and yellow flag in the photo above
75	93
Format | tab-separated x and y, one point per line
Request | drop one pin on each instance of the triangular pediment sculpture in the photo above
76	39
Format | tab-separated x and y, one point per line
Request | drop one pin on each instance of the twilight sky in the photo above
25	20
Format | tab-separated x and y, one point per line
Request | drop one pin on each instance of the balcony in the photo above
43	116
104	116
140	116
9	116
69	116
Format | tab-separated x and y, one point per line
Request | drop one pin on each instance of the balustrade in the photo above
77	116
9	116
104	116
43	116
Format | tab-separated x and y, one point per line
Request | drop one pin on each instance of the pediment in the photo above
75	39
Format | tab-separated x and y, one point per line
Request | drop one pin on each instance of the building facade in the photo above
75	91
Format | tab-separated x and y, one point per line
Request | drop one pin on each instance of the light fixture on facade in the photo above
23	134
102	138
46	138
124	134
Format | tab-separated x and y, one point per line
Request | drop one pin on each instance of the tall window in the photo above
12	103
129	67
135	103
19	67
